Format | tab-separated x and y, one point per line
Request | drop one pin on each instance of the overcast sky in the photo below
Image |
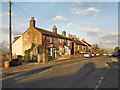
93	21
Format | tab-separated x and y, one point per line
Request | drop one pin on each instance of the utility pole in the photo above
10	34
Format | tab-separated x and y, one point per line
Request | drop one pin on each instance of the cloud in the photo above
92	9
69	24
17	28
84	11
90	31
109	39
60	18
79	3
5	15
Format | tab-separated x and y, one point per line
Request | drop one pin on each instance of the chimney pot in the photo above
55	29
32	18
64	33
32	22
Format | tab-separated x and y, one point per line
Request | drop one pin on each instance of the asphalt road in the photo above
86	73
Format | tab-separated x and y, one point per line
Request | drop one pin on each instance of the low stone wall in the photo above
14	62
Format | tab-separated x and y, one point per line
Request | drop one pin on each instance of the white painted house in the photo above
17	45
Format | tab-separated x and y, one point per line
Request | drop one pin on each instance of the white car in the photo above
104	54
97	54
93	54
89	55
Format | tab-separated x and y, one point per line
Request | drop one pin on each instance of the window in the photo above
64	41
50	40
78	47
68	42
59	40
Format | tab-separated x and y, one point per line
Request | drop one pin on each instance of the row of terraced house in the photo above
50	44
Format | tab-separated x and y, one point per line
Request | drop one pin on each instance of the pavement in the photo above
75	73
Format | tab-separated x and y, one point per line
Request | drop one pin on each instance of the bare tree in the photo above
4	46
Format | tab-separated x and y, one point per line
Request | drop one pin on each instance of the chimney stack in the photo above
55	29
32	22
64	33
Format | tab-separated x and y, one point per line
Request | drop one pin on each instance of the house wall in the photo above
89	47
29	37
84	48
17	46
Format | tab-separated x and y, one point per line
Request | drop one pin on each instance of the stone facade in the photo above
53	44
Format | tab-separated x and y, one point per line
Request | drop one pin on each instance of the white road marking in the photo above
45	71
23	77
66	65
99	81
102	78
97	86
32	74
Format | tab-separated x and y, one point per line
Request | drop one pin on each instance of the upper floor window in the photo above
50	39
59	40
64	41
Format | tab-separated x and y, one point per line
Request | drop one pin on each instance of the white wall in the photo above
17	46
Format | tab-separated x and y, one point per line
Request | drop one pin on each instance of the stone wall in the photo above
29	37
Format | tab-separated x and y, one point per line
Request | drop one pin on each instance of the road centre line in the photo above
100	81
101	78
96	87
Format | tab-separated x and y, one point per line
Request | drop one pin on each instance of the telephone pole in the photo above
10	34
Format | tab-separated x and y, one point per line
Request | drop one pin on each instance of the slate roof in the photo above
49	33
86	43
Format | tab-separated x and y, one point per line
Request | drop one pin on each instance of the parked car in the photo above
97	54
115	54
93	54
89	55
104	54
100	54
109	54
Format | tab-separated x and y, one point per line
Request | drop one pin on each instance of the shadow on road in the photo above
85	77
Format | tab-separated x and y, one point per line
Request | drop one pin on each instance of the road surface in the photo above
85	73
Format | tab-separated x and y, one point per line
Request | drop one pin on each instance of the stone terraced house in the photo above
53	44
